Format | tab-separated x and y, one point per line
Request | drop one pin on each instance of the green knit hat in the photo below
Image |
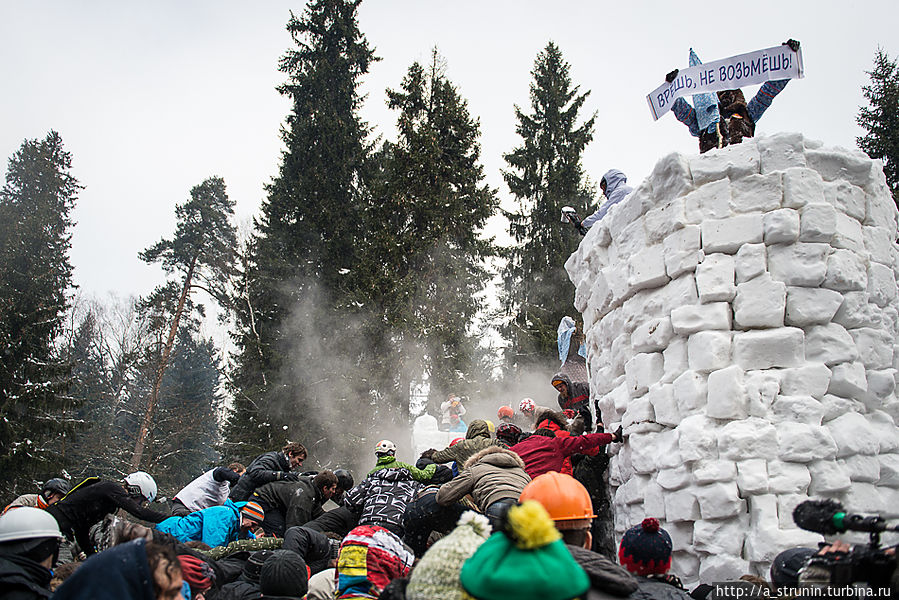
436	576
528	561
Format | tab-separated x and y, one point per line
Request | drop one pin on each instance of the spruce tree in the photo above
427	255
881	118
295	335
545	173
35	277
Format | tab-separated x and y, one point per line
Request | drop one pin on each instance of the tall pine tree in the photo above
545	173
296	337
35	276
881	118
427	254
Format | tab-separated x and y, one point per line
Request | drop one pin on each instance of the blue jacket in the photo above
616	191
216	525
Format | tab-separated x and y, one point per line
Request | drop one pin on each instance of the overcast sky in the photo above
152	98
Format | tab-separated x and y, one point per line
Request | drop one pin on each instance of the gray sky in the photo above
151	98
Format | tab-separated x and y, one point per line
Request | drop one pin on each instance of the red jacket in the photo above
543	454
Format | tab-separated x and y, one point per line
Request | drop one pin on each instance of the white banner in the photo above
752	68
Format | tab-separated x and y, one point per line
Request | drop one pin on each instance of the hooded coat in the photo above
23	579
120	573
215	526
577	398
492	474
382	497
476	439
616	191
542	454
265	468
299	501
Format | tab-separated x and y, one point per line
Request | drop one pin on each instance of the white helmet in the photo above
385	447
28	523
145	484
526	405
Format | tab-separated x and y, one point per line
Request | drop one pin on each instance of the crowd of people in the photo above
495	515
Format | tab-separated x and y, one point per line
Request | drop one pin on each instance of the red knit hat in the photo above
197	573
646	549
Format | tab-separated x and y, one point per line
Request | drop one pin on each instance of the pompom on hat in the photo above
646	549
526	561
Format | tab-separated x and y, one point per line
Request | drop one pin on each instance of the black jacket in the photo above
382	497
265	468
23	579
115	574
578	398
607	578
87	505
299	501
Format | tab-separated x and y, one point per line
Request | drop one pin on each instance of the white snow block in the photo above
802	443
749	438
829	344
846	271
719	536
848	234
733	162
727	235
642	371
866	497
757	193
846	198
684	239
752	477
798	409
681	505
674	479
760	303
879	206
863	468
781	151
715	278
710	201
690	319
762	388
626	212
803	264
881	285
781	226
630	240
639	410
817	223
875	347
855	311
828	476
786	503
671	178
853	434
691	391
684	563
682	251
664	406
750	261
881	387
835	406
631	491
697	438
654	500
787	477
812	378
676	361
718	501
763	349
889	470
652	336
709	350
722	567
727	398
646	268
885	426
848	379
836	163
808	306
879	244
802	186
664	219
713	470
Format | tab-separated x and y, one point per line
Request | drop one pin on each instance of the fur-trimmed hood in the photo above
553	417
496	456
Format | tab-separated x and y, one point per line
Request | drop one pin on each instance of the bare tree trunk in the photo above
160	371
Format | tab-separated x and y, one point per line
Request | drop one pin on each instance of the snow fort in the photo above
740	310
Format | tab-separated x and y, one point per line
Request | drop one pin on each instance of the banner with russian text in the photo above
752	68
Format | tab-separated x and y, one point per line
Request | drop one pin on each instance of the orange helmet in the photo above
505	411
563	497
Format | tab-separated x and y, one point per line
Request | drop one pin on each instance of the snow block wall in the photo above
740	310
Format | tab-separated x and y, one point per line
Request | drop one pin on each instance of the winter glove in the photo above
672	75
618	435
793	44
291	477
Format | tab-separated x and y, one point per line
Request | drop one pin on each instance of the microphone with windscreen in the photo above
828	517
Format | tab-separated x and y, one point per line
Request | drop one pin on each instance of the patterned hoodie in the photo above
381	498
